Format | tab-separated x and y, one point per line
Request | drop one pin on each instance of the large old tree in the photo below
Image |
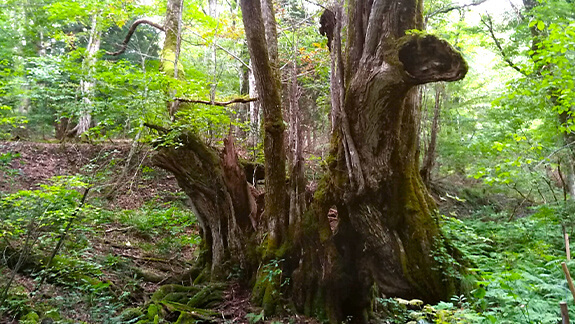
387	240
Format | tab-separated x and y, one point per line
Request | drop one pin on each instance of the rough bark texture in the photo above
387	234
387	240
269	88
220	197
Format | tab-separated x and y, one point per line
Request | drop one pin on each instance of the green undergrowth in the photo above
107	258
519	266
162	227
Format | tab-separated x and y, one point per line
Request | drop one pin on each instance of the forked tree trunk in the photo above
388	240
388	235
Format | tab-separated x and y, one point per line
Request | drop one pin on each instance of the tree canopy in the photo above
333	153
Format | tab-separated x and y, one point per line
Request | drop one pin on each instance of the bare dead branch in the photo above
315	3
135	25
219	47
217	103
488	22
452	7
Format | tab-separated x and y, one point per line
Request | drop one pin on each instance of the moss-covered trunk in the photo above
221	199
387	239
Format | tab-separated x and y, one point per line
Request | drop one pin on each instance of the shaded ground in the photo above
139	236
29	164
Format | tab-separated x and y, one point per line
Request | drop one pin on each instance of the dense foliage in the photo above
504	162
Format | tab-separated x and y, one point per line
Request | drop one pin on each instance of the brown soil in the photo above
115	187
103	164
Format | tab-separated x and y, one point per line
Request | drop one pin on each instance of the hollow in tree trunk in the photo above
388	240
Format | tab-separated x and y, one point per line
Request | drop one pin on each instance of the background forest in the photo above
94	230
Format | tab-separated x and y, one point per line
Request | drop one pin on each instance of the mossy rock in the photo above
163	291
30	318
130	314
209	296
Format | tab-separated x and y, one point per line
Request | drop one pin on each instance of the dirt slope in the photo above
28	164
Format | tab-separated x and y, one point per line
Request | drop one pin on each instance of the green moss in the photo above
270	302
284	249
203	276
167	64
190	313
209	296
163	291
153	311
130	314
30	318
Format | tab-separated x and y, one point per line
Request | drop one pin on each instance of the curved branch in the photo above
429	59
216	103
135	25
489	24
449	8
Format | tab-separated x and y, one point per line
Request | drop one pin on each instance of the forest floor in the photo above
136	234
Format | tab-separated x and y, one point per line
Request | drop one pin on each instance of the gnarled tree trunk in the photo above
388	236
388	239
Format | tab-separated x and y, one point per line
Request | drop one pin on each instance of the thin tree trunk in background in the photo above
568	138
297	177
429	157
212	50
87	84
170	55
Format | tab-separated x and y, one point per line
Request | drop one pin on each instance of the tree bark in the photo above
267	82
388	235
170	55
87	84
221	200
388	239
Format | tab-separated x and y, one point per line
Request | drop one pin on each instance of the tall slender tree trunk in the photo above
170	63
262	43
429	155
87	83
254	109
